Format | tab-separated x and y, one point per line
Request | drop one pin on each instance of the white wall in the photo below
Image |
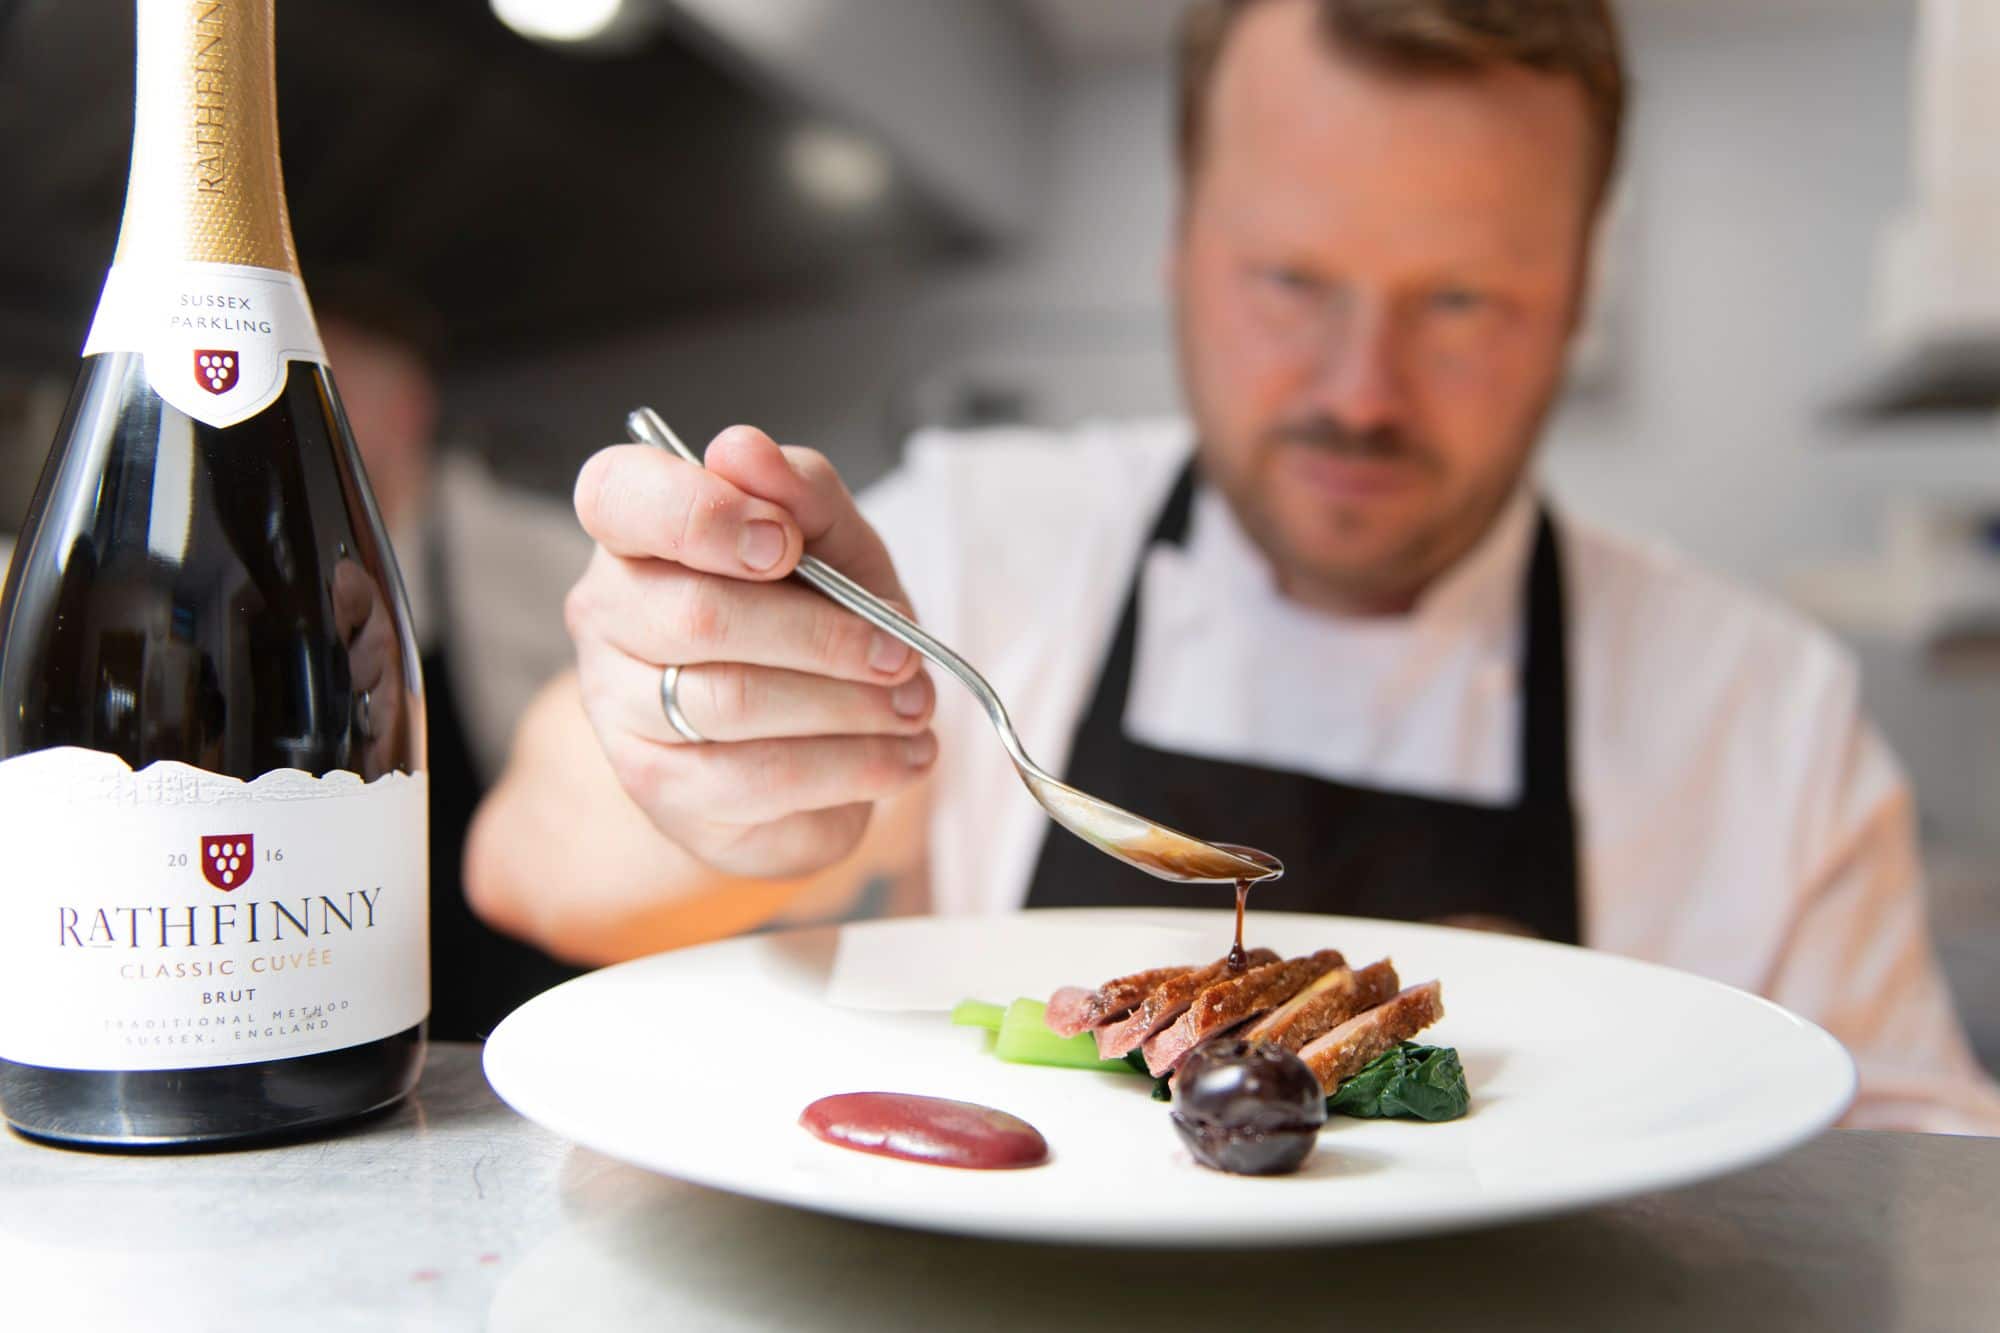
1767	156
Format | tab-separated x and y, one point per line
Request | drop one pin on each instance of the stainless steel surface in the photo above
454	1213
1154	848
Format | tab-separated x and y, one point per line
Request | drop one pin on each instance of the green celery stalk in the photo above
1025	1039
977	1014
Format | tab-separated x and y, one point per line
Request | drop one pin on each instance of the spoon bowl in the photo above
1160	851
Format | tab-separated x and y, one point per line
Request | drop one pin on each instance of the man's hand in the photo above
809	714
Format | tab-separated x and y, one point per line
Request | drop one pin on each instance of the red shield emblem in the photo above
214	370
225	862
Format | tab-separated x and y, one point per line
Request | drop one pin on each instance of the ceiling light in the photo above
839	170
560	20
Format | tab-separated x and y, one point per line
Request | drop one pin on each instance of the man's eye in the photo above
1292	281
1456	300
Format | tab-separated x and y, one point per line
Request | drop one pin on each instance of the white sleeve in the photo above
909	509
1858	958
510	557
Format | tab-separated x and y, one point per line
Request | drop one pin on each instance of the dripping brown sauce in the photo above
1174	857
1237	958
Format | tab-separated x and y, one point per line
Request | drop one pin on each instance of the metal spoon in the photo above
1153	848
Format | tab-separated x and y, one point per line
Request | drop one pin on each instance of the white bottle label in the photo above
216	337
177	919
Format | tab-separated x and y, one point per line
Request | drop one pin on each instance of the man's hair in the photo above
1576	39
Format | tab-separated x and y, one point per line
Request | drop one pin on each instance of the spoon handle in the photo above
646	427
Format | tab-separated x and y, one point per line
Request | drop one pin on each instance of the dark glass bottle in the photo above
213	908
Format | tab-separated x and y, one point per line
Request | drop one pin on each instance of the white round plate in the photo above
1592	1077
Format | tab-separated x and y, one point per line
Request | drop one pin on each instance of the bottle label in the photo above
216	337
177	919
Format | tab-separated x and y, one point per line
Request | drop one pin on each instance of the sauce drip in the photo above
1236	955
932	1130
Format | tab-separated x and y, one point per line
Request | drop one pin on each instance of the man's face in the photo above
1376	277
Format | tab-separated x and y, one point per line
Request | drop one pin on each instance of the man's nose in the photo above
1360	379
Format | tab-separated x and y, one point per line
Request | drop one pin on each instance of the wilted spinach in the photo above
1412	1082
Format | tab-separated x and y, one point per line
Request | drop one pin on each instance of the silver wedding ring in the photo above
670	704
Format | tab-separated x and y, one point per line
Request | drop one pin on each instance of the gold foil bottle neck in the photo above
206	185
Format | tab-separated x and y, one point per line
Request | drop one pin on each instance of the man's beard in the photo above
1393	573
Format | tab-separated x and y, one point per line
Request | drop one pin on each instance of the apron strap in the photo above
1544	746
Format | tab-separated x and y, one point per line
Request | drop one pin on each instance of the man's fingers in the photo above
373	650
354	596
636	500
727	702
759	782
664	614
809	714
807	487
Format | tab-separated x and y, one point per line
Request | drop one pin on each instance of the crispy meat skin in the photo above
1074	1009
1325	1005
1166	1003
1342	1053
1234	1000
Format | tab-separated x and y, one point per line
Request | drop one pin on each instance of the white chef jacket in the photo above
1737	815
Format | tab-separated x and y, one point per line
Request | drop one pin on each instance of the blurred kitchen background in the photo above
846	219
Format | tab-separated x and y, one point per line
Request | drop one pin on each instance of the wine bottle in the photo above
213	900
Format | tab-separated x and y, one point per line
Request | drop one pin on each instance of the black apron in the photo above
1346	849
478	976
